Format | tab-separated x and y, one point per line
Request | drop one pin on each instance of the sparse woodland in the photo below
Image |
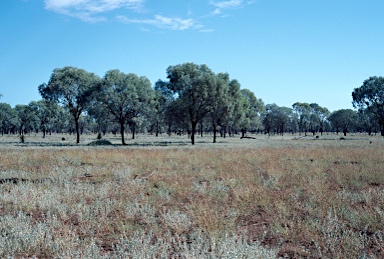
279	182
193	100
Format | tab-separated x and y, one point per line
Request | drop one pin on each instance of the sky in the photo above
285	51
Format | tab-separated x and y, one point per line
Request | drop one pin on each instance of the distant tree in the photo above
253	112
370	98
366	122
193	85
26	118
158	115
224	96
240	120
318	118
61	123
343	119
163	111
73	88
8	118
277	118
45	112
127	97
103	118
303	113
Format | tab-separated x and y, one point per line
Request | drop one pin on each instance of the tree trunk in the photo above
77	130
214	132
122	133
133	132
193	132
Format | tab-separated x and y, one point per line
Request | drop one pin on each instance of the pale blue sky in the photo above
285	51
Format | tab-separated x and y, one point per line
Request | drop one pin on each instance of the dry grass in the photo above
269	197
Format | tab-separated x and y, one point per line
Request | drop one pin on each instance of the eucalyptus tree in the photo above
46	112
164	98
224	95
73	88
127	97
366	122
61	123
8	118
255	108
277	118
103	118
318	118
303	113
193	87
370	97
27	120
343	119
158	114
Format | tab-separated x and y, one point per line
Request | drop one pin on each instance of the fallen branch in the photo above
248	137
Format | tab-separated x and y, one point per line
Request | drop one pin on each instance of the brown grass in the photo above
304	199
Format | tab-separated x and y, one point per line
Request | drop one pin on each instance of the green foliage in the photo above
370	98
45	112
253	109
27	120
343	119
8	118
127	97
194	88
73	88
303	113
225	96
278	119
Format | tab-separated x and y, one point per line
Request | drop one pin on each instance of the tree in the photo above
318	118
343	119
253	111
62	122
73	88
127	97
8	118
225	94
370	97
193	85
277	118
158	114
366	122
303	113
163	107
27	120
45	111
103	118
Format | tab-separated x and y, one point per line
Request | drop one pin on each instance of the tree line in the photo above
192	100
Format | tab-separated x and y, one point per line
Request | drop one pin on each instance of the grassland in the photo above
291	196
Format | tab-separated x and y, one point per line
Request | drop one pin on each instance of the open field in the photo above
291	196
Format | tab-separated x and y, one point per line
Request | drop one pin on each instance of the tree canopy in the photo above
126	96
370	98
194	87
73	88
191	99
